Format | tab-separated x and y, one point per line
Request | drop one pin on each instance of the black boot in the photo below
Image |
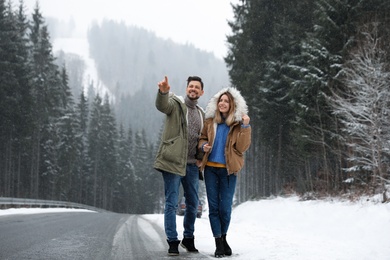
173	247
188	244
219	251
227	249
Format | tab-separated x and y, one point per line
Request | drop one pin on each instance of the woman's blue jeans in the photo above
190	184
220	188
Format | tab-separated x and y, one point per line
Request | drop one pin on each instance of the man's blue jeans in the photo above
220	189
190	184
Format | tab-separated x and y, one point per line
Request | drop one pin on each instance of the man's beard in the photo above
191	98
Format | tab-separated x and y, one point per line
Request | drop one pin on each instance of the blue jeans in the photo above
190	184
220	188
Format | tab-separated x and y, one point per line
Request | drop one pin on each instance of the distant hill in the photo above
128	61
131	60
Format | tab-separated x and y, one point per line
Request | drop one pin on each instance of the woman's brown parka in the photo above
239	137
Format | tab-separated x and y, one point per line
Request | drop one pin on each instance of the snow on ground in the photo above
13	211
289	229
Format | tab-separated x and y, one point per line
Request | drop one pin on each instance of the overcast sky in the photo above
202	23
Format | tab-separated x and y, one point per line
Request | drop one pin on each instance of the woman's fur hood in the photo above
241	107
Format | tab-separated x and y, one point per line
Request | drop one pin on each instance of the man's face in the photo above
194	90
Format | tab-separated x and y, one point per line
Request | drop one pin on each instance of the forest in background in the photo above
316	76
317	87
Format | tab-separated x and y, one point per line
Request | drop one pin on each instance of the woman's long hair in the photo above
229	120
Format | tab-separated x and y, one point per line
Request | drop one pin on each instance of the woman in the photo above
225	136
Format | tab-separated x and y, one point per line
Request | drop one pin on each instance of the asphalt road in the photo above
83	236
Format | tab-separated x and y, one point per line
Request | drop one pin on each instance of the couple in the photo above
214	142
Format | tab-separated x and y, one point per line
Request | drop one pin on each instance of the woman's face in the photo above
224	105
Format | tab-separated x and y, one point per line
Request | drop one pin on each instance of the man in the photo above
176	158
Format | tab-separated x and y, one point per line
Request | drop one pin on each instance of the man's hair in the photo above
195	78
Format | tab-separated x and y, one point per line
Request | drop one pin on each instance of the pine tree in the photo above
46	94
68	145
82	172
95	151
10	95
142	165
126	182
110	159
24	123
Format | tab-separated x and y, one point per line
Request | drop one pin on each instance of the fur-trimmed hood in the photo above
241	107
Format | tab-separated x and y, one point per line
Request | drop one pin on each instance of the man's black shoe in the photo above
173	247
188	244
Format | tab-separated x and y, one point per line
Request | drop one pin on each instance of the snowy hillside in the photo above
80	47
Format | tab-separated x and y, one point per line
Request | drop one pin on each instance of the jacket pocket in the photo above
173	150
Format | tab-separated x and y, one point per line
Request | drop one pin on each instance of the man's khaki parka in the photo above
173	150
